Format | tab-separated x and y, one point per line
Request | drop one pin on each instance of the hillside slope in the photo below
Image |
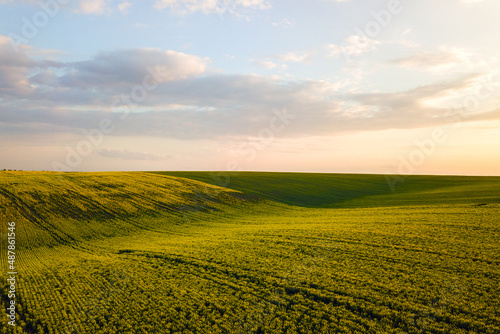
354	190
148	253
66	207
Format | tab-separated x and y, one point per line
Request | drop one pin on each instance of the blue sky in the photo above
315	85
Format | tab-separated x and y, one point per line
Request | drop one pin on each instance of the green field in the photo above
173	252
354	190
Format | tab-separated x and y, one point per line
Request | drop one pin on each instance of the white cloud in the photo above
96	7
284	23
184	7
277	61
445	59
404	37
124	7
267	64
270	65
181	7
292	57
190	102
353	45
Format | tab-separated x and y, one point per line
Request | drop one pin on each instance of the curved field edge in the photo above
354	190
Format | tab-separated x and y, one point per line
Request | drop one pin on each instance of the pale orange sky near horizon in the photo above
381	152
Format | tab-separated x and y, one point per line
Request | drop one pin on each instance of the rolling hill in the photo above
354	190
174	252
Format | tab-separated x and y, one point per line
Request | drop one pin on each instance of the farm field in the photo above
173	252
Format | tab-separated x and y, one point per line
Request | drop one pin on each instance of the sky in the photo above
342	86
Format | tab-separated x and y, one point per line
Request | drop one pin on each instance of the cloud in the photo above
128	155
131	67
353	45
284	23
183	7
26	1
96	7
277	61
292	57
97	80
429	105
15	68
190	102
179	7
90	7
444	59
124	7
270	65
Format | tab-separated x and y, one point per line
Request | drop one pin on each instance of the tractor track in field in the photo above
32	216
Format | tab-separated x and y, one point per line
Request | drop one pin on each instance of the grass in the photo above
152	253
353	190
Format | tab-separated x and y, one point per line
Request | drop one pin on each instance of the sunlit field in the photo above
251	253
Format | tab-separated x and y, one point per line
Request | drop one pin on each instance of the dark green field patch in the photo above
354	190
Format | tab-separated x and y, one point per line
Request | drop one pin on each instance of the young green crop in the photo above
146	253
354	190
